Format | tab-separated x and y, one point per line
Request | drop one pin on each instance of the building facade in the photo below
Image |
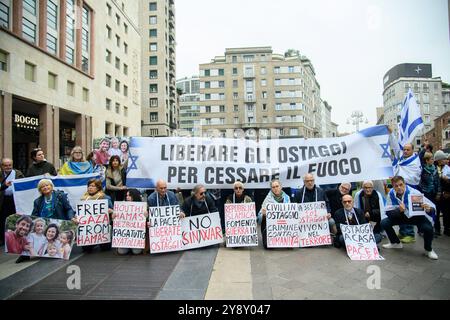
439	136
69	73
257	93
189	104
427	91
159	100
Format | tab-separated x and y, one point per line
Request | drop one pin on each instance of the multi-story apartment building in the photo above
69	73
189	104
159	101
256	92
439	136
427	91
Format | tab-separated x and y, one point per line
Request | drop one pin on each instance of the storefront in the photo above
25	138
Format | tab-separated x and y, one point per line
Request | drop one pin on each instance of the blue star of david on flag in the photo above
386	153
133	165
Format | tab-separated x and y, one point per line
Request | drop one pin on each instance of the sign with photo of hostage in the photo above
93	222
165	229
283	225
201	231
360	242
314	228
129	225
39	237
240	225
415	206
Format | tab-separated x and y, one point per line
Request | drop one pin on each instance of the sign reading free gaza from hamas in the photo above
219	162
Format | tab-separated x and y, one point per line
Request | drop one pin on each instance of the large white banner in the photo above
219	162
25	190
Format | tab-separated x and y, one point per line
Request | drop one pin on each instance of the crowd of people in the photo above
414	173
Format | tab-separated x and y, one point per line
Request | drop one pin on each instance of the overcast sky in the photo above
351	43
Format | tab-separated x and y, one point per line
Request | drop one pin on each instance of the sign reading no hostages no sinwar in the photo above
219	162
129	225
93	222
240	224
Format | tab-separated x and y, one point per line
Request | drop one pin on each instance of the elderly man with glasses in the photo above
199	203
238	196
372	203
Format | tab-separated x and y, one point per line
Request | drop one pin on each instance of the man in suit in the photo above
349	215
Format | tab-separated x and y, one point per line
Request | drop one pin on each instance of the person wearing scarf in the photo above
238	196
76	164
275	195
430	185
372	203
52	204
396	214
199	203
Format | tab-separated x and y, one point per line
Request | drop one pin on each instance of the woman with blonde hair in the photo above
77	164
53	204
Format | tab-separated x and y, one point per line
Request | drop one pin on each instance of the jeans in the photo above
407	230
421	222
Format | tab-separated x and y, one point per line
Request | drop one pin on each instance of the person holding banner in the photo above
275	195
372	203
76	164
40	166
312	193
398	211
162	197
116	179
52	203
349	215
198	203
238	196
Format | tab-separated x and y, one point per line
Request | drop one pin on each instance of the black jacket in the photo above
39	168
339	217
310	196
190	209
374	203
335	198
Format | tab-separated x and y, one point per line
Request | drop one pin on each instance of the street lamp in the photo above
356	118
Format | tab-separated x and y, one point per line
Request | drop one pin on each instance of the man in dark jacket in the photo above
349	215
335	196
199	203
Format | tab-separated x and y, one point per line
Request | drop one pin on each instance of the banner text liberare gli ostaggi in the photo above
129	225
219	162
165	229
93	222
240	224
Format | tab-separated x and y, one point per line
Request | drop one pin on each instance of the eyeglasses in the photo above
202	193
238	188
79	152
368	187
347	201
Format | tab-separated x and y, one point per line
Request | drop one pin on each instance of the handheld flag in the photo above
411	120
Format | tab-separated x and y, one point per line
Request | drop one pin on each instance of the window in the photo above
117	63
125	90
291	82
85	95
278	106
30	71
117	41
236	120
3	61
153	116
108	9
277	82
70	88
125	27
28	30
234	59
125	47
263	82
207	84
117	86
153	60
207	109
153	88
235	108
426	108
207	96
52	15
264	107
108	80
235	83
125	112
276	70
152	20
235	71
221	72
108	56
117	19
152	6
277	94
221	96
207	73
249	58
290	69
153	33
293	106
250	107
125	69
4	14
263	70
264	95
117	108
153	46
30	6
235	95
221	84
108	32
70	55
153	74
108	104
153	102
293	132
222	108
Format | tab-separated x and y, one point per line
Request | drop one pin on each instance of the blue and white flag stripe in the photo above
411	120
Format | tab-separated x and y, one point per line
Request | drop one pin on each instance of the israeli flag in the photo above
411	120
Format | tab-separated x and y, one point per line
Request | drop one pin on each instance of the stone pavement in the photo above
220	273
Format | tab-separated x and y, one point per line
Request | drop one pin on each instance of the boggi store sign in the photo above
26	122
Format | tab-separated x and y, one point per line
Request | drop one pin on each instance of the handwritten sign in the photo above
129	225
283	225
240	225
165	229
93	222
201	231
314	228
360	242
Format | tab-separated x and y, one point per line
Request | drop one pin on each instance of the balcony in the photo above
249	75
250	98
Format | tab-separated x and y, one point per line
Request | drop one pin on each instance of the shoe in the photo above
22	259
393	246
400	236
431	254
408	239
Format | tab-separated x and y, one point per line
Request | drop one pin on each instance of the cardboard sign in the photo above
39	237
240	225
314	228
93	222
360	242
415	206
201	231
165	229
283	225
129	225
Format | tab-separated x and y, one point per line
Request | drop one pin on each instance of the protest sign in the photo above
201	231
129	225
314	228
165	229
39	237
93	222
283	225
415	206
360	242
240	225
